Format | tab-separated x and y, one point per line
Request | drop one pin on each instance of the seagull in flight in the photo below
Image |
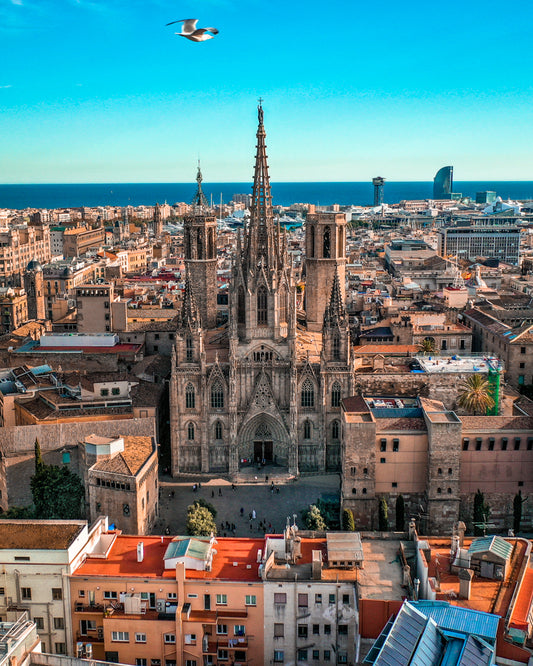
193	33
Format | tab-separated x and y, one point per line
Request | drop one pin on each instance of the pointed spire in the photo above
260	236
199	200
190	315
335	312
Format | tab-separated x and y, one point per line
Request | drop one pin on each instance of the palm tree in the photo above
474	395
427	346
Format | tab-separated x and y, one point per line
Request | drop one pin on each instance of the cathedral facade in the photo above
263	387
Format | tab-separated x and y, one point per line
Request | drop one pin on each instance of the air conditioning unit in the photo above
160	605
100	633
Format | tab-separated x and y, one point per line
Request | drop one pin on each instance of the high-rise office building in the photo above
443	183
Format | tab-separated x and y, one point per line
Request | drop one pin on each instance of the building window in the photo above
26	593
59	623
327	627
529	443
39	622
316	655
479	442
279	630
517	443
343	629
190	397
342	657
302	631
190	432
222	599
336	394
327	655
222	655
449	491
65	457
504	443
140	638
278	656
120	636
316	630
280	598
170	638
331	598
439	471
115	391
302	655
262	306
218	430
522	350
189	349
190	662
364	491
250	600
336	349
439	491
239	630
335	430
104	392
394	484
190	639
308	394
302	601
450	471
354	491
383	445
307	429
108	594
466	443
326	243
141	661
217	396
60	648
395	445
383	460
318	598
491	443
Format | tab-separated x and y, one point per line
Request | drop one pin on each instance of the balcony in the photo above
211	644
93	637
92	608
212	616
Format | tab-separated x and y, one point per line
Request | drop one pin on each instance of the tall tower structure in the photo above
325	255
158	221
34	286
378	182
443	183
199	231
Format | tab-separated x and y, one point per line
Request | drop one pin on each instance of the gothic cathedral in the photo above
263	387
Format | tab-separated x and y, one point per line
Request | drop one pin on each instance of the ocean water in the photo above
284	194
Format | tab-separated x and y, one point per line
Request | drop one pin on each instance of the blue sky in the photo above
102	91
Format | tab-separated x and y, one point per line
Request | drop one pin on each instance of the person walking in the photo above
254	515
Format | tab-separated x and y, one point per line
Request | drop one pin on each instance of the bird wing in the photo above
213	30
189	25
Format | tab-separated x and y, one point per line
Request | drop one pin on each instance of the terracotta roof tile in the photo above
38	534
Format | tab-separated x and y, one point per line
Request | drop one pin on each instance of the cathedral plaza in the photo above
271	507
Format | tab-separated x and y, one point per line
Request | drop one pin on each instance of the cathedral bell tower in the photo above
158	221
199	233
325	255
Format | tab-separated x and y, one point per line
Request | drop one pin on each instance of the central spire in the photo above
260	237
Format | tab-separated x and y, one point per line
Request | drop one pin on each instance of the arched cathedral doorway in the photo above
264	439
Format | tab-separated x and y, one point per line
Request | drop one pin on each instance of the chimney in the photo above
140	551
316	565
461	529
465	582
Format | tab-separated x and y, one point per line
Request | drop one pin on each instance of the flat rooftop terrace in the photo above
446	364
381	577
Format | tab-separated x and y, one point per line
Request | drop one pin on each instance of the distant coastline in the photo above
283	194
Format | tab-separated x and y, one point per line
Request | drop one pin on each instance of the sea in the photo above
283	194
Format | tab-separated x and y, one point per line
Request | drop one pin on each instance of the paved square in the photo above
272	508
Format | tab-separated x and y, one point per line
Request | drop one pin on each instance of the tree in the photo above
314	520
383	515
39	462
517	512
474	396
427	346
481	514
57	493
200	521
202	502
348	523
400	514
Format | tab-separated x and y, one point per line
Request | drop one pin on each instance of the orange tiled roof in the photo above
523	603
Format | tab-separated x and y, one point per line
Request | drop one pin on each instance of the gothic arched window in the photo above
308	394
212	251
283	305
335	430
326	243
190	432
339	242
336	347
199	244
190	397
241	307
217	395
189	349
262	307
312	241
336	395
218	430
307	429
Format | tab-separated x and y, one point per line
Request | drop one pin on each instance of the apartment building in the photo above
79	240
469	242
13	308
37	557
19	245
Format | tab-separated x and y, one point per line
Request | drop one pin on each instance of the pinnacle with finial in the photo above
335	312
190	315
